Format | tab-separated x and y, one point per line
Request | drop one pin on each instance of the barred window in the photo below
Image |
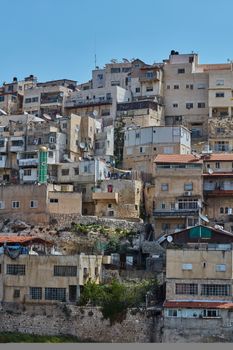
16	293
15	269
215	289
65	270
55	294
35	292
211	313
187	288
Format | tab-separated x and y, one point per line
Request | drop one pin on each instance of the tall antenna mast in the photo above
95	52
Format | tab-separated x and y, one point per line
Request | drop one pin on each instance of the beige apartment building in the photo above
141	145
34	203
218	188
47	279
174	201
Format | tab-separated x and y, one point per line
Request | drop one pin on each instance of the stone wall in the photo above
65	220
86	323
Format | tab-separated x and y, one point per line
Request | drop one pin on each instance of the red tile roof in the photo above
177	158
213	157
22	239
198	304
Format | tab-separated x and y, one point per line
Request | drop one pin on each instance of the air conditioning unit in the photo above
188	193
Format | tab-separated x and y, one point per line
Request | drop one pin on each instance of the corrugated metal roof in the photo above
198	304
22	239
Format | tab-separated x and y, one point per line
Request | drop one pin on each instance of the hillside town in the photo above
124	179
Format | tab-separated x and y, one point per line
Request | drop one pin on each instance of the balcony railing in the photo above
93	102
28	162
175	212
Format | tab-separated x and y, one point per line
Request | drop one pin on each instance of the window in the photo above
163	206
28	100
27	172
34	99
226	210
96	271
53	200
168	87
136	207
165	226
219	94
137	89
2	205
220	82
110	188
35	292
172	313
164	187
76	171
220	267
17	143
141	150
181	71
188	187
111	213
100	76
115	83
189	86
187	266
149	88
16	293
55	294
65	172
221	146
175	105
52	139
15	204
33	204
187	288
60	270
137	135
176	87
189	105
217	165
85	272
50	154
109	205
221	210
187	204
201	105
220	130
210	313
2	98
13	269
215	289
201	86
115	70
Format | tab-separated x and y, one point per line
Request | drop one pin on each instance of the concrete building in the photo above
199	279
46	278
141	145
48	97
175	200
218	189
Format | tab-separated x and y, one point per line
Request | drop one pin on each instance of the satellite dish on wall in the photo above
210	171
46	116
169	239
77	128
204	218
95	113
3	112
82	145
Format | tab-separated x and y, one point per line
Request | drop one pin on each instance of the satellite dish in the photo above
3	112
95	113
46	116
82	145
204	218
77	128
169	239
210	171
26	113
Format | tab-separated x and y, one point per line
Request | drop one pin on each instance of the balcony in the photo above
181	213
86	103
105	196
28	162
17	144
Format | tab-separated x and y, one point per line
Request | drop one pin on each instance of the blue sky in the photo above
55	39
